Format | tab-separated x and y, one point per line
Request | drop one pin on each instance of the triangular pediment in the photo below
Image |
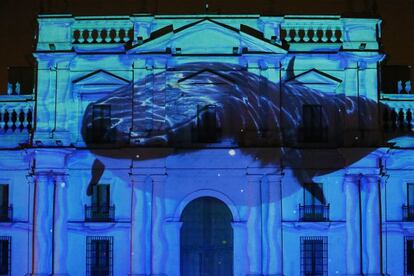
98	84
207	36
316	80
100	77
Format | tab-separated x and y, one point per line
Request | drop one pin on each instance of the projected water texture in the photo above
207	145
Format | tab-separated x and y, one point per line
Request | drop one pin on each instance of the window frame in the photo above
100	208
90	255
8	239
97	196
101	126
410	201
206	133
406	239
312	196
5	206
7	198
324	240
309	131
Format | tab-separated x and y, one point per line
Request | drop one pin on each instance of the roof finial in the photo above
206	6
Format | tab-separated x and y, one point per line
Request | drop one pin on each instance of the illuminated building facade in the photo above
207	145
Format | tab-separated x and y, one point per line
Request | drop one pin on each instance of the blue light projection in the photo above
244	103
167	138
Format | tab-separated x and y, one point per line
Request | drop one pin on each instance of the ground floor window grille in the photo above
5	256
409	256
314	256
99	256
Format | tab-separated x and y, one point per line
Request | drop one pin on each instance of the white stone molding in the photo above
273	223
206	193
254	221
353	227
372	230
158	237
60	235
140	214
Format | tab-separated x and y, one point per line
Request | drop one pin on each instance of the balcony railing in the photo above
408	212
314	212
102	30
99	213
6	213
312	30
398	117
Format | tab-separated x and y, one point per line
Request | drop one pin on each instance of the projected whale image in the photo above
204	101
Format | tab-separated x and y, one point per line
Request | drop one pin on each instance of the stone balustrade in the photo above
312	30
16	116
67	31
96	30
399	116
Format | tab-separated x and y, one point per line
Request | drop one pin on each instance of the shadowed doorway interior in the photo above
206	243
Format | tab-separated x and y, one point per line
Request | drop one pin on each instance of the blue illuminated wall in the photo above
156	73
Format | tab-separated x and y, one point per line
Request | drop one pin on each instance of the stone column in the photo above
274	226
42	225
60	235
353	226
158	244
254	229
139	219
372	231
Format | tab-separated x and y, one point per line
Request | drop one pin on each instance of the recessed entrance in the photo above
206	243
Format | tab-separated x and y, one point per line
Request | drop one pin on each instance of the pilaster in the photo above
273	225
372	225
254	221
42	224
353	225
158	239
60	235
140	215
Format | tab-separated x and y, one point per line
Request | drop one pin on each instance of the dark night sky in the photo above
18	19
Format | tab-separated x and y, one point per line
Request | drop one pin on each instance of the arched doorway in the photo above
206	243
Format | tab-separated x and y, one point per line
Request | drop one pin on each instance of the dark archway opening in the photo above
206	243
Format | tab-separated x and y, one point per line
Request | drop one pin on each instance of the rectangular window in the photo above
410	194
5	255
4	195
313	194
409	256
408	210
4	203
312	123
100	209
99	251
314	207
101	195
207	124
314	256
101	124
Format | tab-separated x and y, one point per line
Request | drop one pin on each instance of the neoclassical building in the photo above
207	145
